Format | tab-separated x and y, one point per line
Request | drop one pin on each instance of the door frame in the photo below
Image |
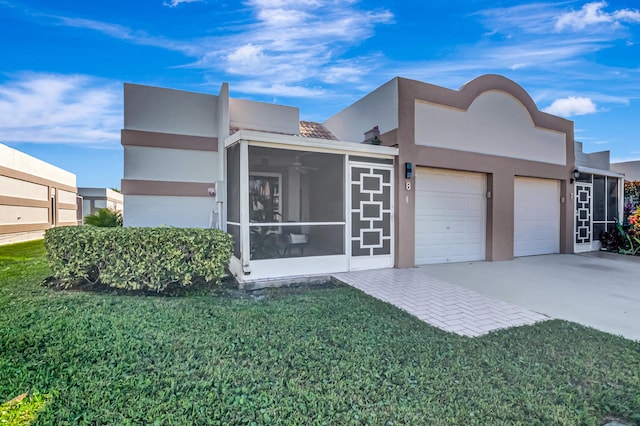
373	261
583	247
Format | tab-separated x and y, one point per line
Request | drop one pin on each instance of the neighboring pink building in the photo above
34	196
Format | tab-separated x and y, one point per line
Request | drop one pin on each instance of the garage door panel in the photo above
454	186
536	216
454	205
450	216
433	230
471	229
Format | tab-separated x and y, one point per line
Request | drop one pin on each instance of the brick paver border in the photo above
444	305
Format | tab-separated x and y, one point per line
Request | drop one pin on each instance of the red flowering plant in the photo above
634	221
632	204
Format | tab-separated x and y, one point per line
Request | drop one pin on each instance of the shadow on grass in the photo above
226	288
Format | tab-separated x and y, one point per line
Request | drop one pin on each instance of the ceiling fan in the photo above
298	166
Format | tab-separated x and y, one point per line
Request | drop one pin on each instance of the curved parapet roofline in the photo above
469	92
491	82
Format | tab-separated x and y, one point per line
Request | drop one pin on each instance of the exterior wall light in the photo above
575	174
408	170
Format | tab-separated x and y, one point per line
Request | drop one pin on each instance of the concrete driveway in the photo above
599	290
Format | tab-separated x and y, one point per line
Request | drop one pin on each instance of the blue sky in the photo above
63	63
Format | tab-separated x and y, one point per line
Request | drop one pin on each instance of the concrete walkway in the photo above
599	290
444	305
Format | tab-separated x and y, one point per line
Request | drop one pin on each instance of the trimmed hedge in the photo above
149	259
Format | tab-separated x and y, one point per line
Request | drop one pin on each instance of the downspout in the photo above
223	134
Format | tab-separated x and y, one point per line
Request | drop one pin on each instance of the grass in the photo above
331	356
22	410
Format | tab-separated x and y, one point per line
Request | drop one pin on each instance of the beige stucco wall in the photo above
594	160
162	110
94	199
170	164
170	141
144	210
378	108
95	192
495	123
66	197
114	195
16	215
252	115
631	169
27	186
66	215
11	187
19	161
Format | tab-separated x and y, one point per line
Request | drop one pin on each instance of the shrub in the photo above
105	218
623	239
150	259
634	219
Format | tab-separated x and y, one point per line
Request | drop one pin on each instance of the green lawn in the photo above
326	356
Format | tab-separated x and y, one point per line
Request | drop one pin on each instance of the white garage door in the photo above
450	216
537	216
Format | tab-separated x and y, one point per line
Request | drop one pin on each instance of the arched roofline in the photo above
470	91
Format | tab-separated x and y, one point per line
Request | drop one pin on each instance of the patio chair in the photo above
294	238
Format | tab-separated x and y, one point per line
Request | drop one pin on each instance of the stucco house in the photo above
410	174
630	169
34	196
94	199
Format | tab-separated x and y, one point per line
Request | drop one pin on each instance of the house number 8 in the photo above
407	185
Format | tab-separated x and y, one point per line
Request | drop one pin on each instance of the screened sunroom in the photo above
599	195
300	206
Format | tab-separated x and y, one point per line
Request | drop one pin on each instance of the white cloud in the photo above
592	14
275	4
573	105
532	28
278	89
282	17
542	18
124	33
533	18
294	42
52	108
174	3
287	42
530	45
248	55
344	74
